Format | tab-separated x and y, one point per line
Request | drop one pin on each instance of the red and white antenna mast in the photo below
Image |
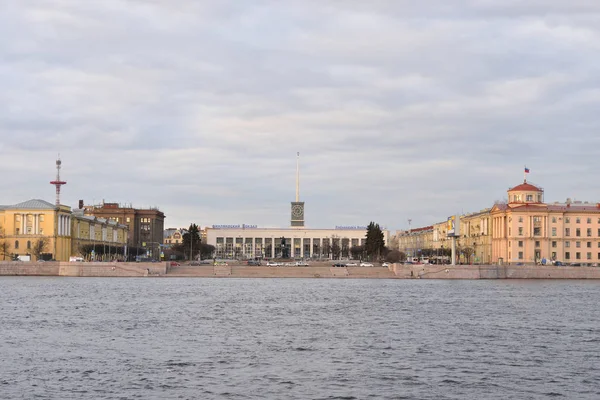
58	183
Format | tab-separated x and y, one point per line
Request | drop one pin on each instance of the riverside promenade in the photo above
321	270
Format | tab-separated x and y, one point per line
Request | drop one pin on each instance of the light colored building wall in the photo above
526	231
109	234
26	223
300	243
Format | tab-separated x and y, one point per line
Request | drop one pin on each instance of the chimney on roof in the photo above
80	204
568	200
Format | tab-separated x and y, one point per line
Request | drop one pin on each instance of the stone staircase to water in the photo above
339	271
222	270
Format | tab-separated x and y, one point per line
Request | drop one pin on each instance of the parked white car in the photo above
386	264
366	264
351	264
272	264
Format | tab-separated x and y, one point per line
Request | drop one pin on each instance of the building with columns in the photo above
527	230
524	229
247	242
62	230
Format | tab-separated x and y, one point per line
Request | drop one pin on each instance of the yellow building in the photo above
43	230
98	239
473	241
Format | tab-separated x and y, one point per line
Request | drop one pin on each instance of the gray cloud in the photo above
400	109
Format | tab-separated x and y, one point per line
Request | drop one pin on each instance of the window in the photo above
520	255
537	243
567	220
554	243
553	220
554	255
588	256
529	197
537	231
578	256
41	231
16	244
567	255
577	244
589	220
589	245
520	231
520	243
520	219
29	230
598	231
589	232
554	231
577	220
567	231
509	243
509	231
16	231
578	232
29	244
537	219
128	219
567	244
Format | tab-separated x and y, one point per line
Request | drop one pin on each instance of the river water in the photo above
189	338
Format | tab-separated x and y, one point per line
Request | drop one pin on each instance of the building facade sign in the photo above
242	226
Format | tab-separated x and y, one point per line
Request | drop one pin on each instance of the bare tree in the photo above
39	247
467	252
4	245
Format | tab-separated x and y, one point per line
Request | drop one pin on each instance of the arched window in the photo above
16	244
29	244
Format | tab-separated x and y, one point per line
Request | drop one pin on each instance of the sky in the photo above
400	109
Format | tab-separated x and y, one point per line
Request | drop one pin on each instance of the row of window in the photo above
29	231
555	244
29	217
567	220
537	231
118	219
588	255
17	244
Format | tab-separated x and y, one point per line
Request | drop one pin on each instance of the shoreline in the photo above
316	271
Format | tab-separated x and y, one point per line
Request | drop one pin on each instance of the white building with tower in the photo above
249	241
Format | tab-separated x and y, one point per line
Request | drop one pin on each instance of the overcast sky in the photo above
399	109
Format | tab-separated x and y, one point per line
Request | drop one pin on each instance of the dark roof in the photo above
33	204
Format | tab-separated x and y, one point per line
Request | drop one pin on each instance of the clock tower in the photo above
297	219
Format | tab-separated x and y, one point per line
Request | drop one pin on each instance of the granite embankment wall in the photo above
396	271
82	269
281	272
493	272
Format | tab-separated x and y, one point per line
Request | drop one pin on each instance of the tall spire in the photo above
58	183
298	177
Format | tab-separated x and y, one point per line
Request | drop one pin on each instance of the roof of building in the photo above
33	204
526	187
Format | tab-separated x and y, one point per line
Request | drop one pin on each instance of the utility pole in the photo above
410	238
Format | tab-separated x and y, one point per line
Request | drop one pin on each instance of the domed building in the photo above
527	230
